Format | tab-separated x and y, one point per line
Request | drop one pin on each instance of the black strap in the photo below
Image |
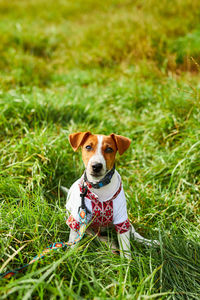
82	195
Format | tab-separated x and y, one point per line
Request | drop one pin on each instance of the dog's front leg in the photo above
72	237
124	244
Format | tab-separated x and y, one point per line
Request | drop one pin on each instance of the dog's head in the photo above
98	151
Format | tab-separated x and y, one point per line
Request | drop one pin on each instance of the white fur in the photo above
124	244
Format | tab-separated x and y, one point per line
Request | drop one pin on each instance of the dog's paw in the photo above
155	242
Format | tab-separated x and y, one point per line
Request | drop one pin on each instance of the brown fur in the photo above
116	142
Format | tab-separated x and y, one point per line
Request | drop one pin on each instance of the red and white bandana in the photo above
103	213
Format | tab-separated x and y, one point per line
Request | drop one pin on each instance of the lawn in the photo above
128	67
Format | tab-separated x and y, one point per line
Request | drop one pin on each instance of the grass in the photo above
107	66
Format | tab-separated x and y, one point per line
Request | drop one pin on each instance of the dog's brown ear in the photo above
122	142
77	139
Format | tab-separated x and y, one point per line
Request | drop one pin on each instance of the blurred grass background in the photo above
129	67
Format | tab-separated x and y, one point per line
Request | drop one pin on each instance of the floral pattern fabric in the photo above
102	214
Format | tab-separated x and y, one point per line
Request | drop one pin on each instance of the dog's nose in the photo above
97	167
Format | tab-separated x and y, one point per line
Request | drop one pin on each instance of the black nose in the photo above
97	167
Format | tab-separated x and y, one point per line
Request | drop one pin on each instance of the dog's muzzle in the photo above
97	168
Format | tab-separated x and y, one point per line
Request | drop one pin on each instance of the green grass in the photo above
107	66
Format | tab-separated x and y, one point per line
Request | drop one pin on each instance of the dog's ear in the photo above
121	142
77	139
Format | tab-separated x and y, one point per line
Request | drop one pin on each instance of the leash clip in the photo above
84	191
82	195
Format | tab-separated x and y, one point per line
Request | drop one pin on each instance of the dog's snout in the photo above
97	167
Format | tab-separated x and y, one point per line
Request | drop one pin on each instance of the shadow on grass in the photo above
31	114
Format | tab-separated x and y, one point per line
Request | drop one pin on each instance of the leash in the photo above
82	211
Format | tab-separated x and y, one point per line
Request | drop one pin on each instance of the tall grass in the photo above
113	66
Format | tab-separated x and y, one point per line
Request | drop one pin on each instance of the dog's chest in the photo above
106	192
101	211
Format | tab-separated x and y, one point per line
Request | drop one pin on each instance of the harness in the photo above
82	211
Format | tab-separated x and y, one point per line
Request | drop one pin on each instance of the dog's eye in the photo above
109	150
88	147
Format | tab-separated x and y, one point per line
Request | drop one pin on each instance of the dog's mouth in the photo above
95	172
99	174
96	175
99	177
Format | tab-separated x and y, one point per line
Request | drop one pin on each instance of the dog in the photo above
105	199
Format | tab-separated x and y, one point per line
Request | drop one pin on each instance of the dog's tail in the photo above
64	190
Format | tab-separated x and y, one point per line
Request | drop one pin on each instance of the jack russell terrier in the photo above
105	200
